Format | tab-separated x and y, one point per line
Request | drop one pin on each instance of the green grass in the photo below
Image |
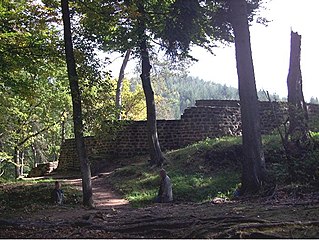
207	169
29	195
198	173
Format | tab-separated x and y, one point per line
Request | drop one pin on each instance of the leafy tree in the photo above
77	108
129	25
33	96
174	25
102	105
133	102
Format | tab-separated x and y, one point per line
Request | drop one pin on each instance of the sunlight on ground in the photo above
103	196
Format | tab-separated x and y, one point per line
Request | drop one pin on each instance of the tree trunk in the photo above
156	155
118	98
21	170
254	170
77	109
298	116
16	159
34	152
63	131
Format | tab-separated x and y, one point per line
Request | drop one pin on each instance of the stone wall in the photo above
207	119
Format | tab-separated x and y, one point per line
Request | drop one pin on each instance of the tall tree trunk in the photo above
118	97
254	170
21	170
77	109
63	131
298	116
156	155
16	159
34	152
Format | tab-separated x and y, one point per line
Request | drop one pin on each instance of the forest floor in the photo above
277	216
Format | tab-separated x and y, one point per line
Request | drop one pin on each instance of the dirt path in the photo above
103	194
104	197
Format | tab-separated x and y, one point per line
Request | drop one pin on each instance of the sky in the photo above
270	50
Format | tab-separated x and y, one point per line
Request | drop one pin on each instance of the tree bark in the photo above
298	116
118	97
34	152
77	108
254	170
21	156
16	159
156	155
63	131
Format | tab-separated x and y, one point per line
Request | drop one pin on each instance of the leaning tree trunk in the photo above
298	116
77	109
156	155
118	96
254	170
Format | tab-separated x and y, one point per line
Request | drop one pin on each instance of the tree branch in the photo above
39	132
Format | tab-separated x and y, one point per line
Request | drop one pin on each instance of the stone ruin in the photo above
207	119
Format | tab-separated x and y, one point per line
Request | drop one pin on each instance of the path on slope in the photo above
105	198
103	194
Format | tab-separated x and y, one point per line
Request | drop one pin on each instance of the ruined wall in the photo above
208	119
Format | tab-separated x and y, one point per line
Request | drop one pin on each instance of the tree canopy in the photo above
34	97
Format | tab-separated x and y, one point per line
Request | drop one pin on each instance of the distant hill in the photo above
175	93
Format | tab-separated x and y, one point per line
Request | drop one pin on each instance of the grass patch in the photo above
201	188
198	173
29	195
207	169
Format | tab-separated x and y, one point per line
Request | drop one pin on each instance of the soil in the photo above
282	215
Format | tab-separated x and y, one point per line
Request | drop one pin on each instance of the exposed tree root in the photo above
176	221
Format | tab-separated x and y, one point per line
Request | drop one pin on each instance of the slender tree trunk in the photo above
63	131
77	110
118	97
21	170
298	116
34	152
16	159
156	155
254	170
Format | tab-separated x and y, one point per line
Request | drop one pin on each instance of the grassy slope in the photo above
202	171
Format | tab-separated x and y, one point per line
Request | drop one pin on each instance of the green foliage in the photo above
200	187
33	91
99	106
305	167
